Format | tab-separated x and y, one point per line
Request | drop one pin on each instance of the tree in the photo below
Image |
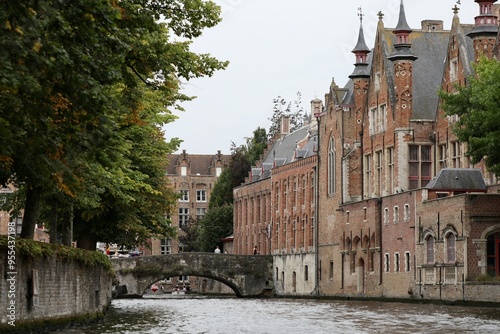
478	106
189	236
85	88
217	223
296	116
222	193
242	158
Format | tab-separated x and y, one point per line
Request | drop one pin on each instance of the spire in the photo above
402	32
361	51
361	45
402	24
486	23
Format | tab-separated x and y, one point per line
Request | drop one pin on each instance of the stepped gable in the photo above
464	179
199	164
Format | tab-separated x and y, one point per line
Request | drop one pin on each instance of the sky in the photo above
279	48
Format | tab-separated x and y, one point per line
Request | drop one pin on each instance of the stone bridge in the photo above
247	275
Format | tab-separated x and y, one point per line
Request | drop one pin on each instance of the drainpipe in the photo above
380	217
316	207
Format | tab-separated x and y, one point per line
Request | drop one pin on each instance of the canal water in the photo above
288	316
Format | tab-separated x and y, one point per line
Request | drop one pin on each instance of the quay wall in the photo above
46	286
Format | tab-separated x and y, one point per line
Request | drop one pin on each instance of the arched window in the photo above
493	254
331	166
450	248
429	242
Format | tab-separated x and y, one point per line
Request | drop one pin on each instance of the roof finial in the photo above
456	8
380	15
360	14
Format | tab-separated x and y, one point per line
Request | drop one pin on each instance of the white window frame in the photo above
201	195
184	195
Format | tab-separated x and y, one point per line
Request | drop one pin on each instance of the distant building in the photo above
193	176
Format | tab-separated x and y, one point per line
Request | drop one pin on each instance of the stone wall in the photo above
42	292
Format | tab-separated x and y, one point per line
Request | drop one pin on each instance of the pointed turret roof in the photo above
361	44
361	51
402	24
402	32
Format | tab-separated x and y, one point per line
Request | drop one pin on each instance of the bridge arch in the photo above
246	275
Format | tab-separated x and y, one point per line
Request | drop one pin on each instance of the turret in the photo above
485	29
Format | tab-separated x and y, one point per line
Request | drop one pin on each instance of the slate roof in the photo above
458	179
431	49
199	164
285	151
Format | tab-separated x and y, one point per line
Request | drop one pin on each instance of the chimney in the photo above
285	125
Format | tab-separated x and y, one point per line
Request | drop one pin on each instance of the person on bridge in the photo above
217	250
255	251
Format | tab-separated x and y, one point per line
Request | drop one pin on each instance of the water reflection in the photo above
231	315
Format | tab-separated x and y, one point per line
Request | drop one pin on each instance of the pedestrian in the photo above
217	250
255	250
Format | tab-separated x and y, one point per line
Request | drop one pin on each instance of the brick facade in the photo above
389	221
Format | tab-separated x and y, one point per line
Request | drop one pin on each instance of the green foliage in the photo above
189	236
217	223
85	89
222	193
478	108
37	250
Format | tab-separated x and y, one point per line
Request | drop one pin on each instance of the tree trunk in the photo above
86	241
67	228
31	211
53	225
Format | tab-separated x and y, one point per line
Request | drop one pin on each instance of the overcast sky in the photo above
278	48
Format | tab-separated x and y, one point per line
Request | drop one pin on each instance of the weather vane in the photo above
360	14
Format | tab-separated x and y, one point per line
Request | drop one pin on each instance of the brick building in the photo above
193	176
401	212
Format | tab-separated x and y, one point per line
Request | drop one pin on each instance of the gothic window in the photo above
406	213
390	169
331	166
429	246
420	166
493	254
407	262
378	171
386	216
442	156
453	70
396	262
368	175
373	121
450	248
382	118
456	154
387	263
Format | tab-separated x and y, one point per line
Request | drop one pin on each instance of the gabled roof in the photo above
199	164
285	150
465	179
